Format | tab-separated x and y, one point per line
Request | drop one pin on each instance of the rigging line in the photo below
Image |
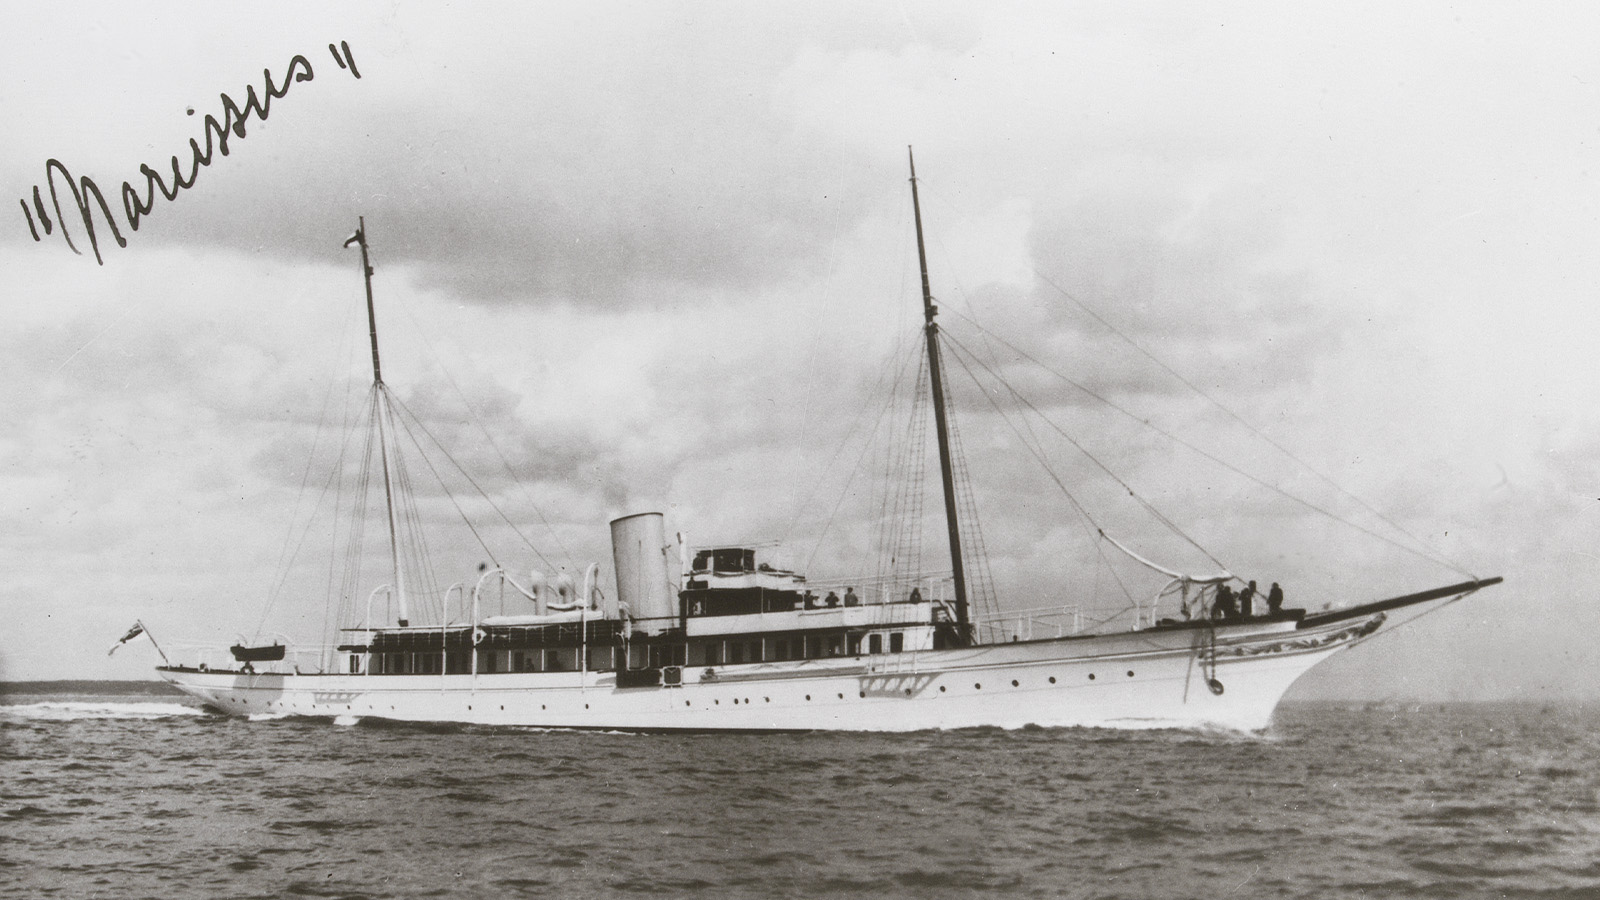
332	611
281	569
1092	458
481	492
1439	557
355	534
472	413
1428	612
459	511
286	558
845	491
905	477
286	565
855	423
971	524
897	371
899	509
1435	559
1034	447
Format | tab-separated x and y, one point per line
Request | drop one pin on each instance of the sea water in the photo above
133	796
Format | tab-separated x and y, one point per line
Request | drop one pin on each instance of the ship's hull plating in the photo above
1149	679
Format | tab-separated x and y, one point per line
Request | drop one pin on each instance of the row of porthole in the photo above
977	686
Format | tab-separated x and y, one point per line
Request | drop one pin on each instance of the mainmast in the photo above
380	411
945	471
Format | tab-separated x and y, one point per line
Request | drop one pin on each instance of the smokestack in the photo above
639	550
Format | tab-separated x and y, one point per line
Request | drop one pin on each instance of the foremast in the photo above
380	412
941	427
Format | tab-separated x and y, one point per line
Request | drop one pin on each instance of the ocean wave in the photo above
73	710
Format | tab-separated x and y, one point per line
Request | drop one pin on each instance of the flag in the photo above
135	632
354	237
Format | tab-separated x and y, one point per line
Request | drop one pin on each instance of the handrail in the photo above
367	619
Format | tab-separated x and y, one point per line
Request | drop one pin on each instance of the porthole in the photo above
1091	676
863	693
841	696
1014	683
941	688
1052	679
808	696
766	699
977	687
1130	673
586	706
542	706
685	703
908	692
502	707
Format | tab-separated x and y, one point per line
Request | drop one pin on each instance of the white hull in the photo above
1147	679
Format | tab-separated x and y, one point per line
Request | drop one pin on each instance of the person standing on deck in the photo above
1247	599
1223	607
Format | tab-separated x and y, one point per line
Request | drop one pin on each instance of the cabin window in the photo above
355	664
897	642
713	654
874	643
732	559
552	661
813	646
854	645
735	652
835	645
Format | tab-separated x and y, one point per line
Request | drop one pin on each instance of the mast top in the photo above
360	237
929	310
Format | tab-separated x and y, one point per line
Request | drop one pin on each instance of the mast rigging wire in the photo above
1438	557
1433	558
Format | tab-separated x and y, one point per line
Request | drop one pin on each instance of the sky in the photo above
660	257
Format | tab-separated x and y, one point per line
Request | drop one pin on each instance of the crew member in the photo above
1223	607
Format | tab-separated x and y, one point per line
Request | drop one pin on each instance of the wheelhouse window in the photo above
897	642
728	560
